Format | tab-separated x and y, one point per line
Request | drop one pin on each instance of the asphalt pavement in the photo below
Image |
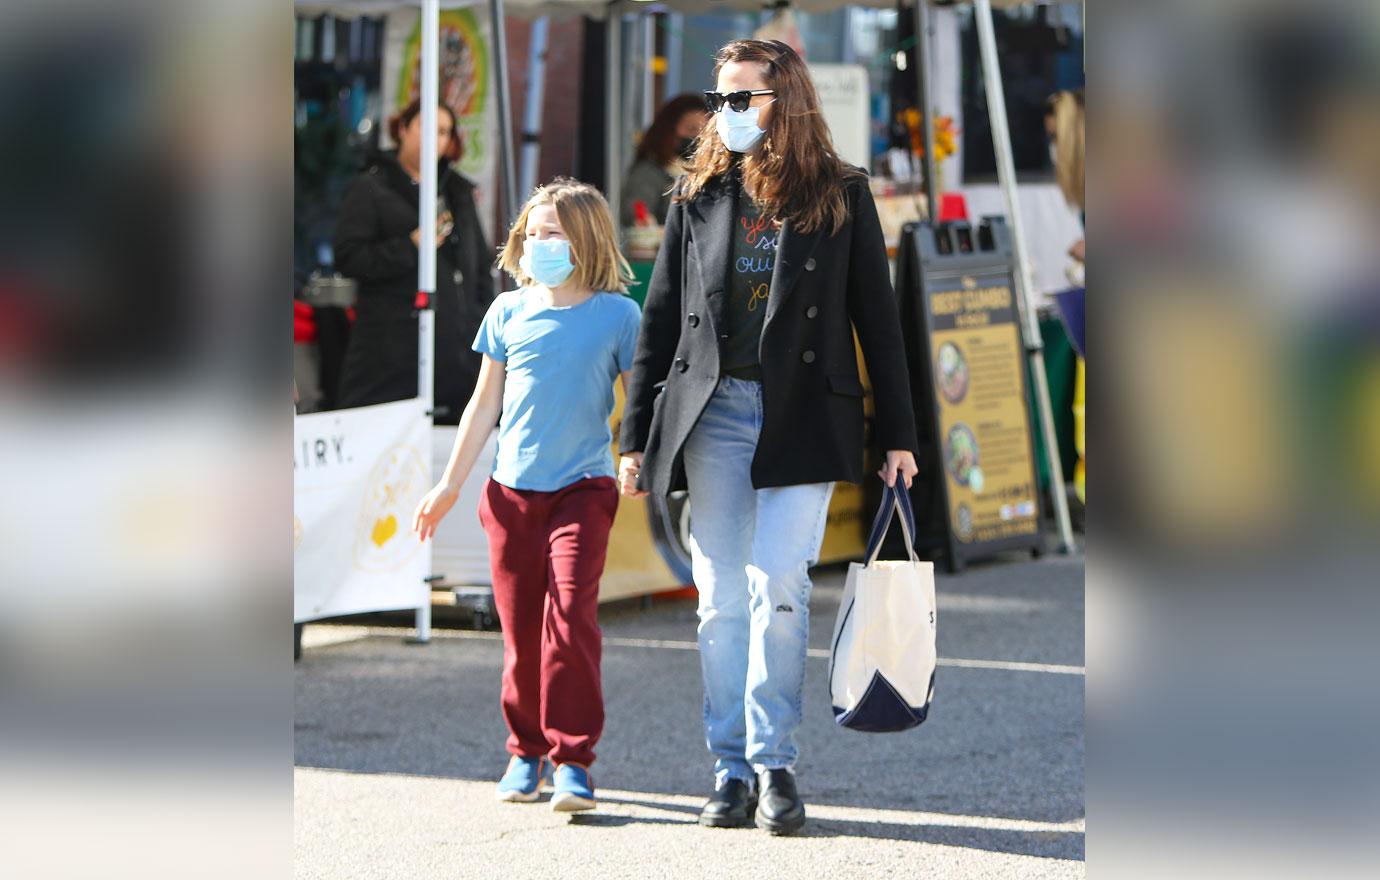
398	747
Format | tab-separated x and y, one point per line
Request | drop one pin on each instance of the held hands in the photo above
898	460
629	467
432	508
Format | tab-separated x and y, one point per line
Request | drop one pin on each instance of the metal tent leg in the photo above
613	84
922	97
532	107
507	185
423	621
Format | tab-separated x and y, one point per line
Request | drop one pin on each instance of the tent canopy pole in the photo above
922	95
532	107
430	98
613	84
507	200
426	244
426	201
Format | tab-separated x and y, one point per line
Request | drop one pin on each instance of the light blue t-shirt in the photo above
558	395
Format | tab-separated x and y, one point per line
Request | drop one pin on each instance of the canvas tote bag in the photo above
881	667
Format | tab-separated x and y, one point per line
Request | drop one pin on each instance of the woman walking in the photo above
745	391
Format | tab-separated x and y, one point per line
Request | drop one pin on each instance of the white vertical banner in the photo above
357	477
466	86
843	97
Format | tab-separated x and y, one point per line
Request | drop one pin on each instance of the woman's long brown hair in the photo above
795	174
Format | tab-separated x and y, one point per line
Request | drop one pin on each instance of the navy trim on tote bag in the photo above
882	709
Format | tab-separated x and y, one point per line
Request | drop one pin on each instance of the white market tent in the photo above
996	103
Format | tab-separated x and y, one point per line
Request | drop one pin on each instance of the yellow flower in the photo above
945	134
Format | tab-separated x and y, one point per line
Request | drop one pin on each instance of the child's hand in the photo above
432	508
629	467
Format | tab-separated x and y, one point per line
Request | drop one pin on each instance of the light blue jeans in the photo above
751	550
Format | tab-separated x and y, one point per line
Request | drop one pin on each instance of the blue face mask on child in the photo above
739	131
546	260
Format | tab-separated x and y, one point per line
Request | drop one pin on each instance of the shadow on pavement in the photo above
1042	844
692	812
596	819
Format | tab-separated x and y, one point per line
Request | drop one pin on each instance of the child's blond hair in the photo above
588	224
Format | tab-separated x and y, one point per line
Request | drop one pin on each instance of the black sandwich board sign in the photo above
977	488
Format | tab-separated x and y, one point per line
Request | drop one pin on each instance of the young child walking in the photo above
552	350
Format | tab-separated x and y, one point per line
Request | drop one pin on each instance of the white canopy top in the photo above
595	8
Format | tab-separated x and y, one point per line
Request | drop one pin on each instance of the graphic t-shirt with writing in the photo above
754	254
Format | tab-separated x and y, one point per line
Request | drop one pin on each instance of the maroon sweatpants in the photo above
546	552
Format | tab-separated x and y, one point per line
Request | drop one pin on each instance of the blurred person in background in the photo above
661	157
1064	123
376	243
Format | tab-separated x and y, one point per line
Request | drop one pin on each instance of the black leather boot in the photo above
779	809
730	806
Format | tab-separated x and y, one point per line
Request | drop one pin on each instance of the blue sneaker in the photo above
522	783
574	789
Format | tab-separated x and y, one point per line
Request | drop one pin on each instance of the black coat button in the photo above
723	336
810	265
812	311
693	319
681	365
808	357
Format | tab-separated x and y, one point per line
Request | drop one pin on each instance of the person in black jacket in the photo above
745	390
376	244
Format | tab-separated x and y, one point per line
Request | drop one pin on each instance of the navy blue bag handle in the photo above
895	500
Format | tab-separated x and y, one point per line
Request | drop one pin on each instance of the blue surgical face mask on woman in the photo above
546	260
739	131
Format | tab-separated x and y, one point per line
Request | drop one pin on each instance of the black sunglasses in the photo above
737	101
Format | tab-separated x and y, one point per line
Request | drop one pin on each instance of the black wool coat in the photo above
373	245
824	286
